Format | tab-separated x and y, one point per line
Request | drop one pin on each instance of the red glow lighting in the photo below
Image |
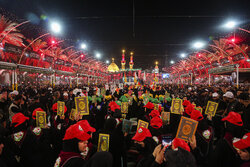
233	39
82	55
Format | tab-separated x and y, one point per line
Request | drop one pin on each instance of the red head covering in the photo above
54	108
188	110
113	106
76	131
180	143
233	118
156	122
34	112
141	134
196	115
186	103
154	113
86	126
243	143
18	119
149	105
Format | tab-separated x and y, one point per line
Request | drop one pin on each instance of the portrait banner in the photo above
165	116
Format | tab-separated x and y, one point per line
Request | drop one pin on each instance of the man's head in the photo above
18	99
215	96
229	96
244	99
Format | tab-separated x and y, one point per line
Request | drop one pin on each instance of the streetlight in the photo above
107	61
83	46
198	44
183	55
230	24
98	55
233	24
172	62
55	27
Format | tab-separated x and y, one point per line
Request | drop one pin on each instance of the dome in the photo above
113	67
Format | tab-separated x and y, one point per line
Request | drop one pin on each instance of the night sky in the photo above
163	29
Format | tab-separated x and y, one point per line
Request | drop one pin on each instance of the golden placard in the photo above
187	128
73	114
199	109
60	108
211	108
176	107
124	107
82	105
165	116
41	119
103	142
143	124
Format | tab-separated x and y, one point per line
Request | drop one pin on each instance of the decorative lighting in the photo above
107	61
172	62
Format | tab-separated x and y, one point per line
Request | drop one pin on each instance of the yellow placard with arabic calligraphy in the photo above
73	114
60	108
103	142
143	124
187	128
176	107
211	108
199	109
41	119
82	105
124	107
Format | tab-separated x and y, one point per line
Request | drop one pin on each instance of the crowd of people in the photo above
220	140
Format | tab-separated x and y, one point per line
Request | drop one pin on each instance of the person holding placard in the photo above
224	153
202	143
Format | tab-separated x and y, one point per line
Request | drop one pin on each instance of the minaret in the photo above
156	67
131	63
123	62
